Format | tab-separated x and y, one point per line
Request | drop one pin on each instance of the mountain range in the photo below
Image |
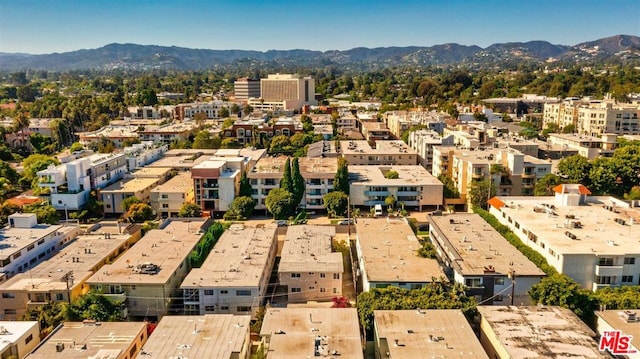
132	56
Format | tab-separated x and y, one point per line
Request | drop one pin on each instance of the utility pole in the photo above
512	276
68	277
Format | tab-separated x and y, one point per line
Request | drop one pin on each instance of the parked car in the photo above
346	222
282	223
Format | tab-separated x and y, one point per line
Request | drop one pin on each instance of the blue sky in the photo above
47	26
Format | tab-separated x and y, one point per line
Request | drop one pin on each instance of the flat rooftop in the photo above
181	183
172	128
112	132
15	329
408	175
132	185
599	233
238	259
294	332
98	158
82	258
356	147
15	239
90	340
307	248
147	172
389	249
190	152
617	320
475	245
167	248
270	167
199	337
540	332
180	162
433	333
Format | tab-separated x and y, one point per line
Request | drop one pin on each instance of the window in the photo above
9	311
295	275
296	290
498	281
604	279
41	241
322	290
244	309
224	307
8	295
630	260
627	278
165	205
606	262
165	196
17	255
28	339
335	290
323	275
473	282
224	292
133	350
311	273
209	308
208	292
59	297
336	275
312	288
243	293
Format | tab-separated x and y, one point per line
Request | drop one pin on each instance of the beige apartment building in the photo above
147	277
387	255
168	198
308	267
90	339
535	332
311	332
434	333
415	187
18	338
113	195
63	277
220	336
590	147
594	118
216	182
384	153
235	276
317	172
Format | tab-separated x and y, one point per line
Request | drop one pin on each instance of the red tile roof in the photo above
496	202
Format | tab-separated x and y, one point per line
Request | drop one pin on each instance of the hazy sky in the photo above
63	25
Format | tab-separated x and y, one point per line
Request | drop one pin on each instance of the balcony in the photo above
373	202
116	297
407	193
608	271
376	193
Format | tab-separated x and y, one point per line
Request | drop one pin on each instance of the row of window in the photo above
322	290
322	275
239	292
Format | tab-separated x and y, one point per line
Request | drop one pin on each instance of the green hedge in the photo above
535	257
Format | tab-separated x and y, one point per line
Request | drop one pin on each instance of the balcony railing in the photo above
120	297
608	271
376	193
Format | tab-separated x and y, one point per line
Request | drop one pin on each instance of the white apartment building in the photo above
308	267
107	168
384	153
423	141
594	118
318	174
590	147
168	133
25	243
210	109
117	134
415	187
168	198
235	276
476	255
294	89
590	239
68	184
141	154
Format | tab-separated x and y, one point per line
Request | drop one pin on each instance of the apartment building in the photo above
321	149
62	278
318	174
141	154
221	336
17	339
25	243
561	114
423	141
210	109
252	130
384	153
245	88
235	276
625	321
346	121
476	255
68	184
535	332
147	277
143	113
414	186
308	267
594	118
401	121
375	131
590	147
168	198
90	339
588	238
215	183
168	133
295	90
116	134
434	333
113	195
311	332
386	250
107	168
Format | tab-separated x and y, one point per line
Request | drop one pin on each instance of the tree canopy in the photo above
341	179
279	203
190	210
336	203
